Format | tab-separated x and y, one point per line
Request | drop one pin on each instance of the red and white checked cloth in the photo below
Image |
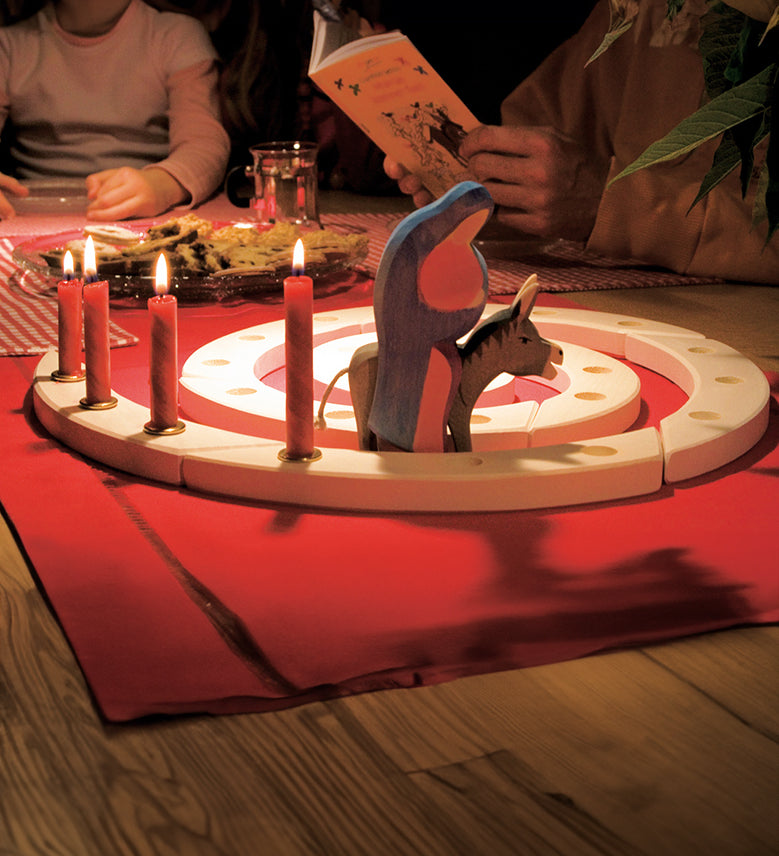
560	266
28	311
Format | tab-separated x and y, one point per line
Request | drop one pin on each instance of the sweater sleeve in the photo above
626	99
570	95
199	145
647	216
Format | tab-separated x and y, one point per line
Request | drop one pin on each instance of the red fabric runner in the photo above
176	602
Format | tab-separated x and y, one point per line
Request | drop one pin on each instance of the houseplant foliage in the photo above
739	47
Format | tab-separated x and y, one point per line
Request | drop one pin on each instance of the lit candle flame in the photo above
90	262
298	259
67	265
161	275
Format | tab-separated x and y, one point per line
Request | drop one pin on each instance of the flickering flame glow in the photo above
298	259
161	275
67	265
90	262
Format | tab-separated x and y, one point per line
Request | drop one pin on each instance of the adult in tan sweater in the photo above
570	127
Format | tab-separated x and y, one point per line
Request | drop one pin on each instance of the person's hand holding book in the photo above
408	183
542	182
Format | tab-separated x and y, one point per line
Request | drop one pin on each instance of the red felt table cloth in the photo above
176	602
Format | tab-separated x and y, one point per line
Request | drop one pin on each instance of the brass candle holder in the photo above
166	431
63	377
314	455
98	405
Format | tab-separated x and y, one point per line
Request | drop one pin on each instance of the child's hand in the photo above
127	192
12	186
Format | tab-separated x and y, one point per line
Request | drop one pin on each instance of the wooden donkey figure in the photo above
508	341
430	289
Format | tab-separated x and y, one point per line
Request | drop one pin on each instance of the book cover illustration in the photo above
393	94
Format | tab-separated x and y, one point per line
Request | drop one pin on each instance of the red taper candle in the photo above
69	318
163	354
97	347
299	361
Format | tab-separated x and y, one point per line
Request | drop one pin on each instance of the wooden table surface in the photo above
669	749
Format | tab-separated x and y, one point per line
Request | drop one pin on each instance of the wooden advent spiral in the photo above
572	448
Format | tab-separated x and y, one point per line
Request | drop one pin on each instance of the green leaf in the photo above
746	55
726	159
719	39
608	40
622	13
773	23
672	8
723	112
746	136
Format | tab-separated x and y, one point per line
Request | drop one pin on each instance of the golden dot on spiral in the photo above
599	451
590	396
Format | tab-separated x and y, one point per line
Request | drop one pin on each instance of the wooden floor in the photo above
662	751
665	750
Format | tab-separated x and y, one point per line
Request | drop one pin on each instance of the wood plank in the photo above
301	781
738	670
742	316
659	762
499	805
669	749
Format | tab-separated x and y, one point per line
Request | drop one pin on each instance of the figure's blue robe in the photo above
407	328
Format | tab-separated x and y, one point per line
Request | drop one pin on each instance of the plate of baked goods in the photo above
207	260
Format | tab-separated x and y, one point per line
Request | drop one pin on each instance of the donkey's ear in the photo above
526	298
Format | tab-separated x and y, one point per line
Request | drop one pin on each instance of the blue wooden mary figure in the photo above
430	290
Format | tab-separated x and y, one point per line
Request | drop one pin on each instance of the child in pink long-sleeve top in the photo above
117	93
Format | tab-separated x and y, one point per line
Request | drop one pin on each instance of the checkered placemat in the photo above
28	311
561	266
28	305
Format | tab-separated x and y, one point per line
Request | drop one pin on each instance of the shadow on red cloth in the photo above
177	602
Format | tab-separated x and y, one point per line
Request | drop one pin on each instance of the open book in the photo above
389	90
